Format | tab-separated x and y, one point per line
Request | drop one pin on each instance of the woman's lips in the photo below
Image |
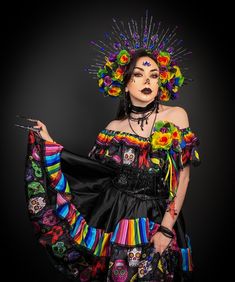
146	91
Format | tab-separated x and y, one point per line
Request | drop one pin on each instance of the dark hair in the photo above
125	101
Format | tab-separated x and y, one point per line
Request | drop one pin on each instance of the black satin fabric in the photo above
105	194
103	200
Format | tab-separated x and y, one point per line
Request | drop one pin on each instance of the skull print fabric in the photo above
96	215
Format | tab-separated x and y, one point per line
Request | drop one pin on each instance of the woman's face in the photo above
143	85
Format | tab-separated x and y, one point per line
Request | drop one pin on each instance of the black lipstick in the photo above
146	91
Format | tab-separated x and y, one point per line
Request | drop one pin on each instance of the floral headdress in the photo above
116	51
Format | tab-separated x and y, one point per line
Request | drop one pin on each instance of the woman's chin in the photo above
143	98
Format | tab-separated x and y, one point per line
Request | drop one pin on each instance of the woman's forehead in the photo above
146	63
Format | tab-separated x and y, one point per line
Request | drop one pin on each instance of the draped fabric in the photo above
96	215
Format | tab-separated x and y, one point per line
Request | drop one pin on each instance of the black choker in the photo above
145	113
149	107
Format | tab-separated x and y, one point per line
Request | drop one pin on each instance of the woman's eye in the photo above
137	74
154	75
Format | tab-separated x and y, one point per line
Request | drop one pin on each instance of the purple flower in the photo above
175	142
163	129
107	80
112	57
169	86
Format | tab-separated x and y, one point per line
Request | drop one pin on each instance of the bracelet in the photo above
165	231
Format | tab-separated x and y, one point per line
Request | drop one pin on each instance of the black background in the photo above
45	48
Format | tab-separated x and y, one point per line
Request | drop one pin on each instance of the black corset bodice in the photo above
143	184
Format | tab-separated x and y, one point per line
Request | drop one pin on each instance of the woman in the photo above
116	215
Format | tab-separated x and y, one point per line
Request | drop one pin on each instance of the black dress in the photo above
96	215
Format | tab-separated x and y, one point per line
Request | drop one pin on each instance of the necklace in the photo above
149	109
157	108
137	109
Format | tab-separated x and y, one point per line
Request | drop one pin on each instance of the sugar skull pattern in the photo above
125	263
145	266
142	264
49	218
128	156
119	271
133	255
35	188
36	205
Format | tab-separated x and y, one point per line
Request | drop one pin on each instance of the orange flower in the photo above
164	76
188	137
163	58
123	58
114	91
119	74
164	94
175	134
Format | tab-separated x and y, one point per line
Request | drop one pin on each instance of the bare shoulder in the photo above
179	116
113	125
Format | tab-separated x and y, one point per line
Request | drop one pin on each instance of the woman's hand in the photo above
43	133
160	241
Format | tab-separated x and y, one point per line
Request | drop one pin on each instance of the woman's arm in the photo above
180	118
169	221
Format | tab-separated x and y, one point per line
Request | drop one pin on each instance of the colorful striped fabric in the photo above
186	256
131	232
106	135
52	164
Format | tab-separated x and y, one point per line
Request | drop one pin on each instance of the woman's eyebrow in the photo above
143	69
139	68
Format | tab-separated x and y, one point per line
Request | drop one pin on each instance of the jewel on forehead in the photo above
146	63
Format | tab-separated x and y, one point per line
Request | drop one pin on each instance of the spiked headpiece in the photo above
116	50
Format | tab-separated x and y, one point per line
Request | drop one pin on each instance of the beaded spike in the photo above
147	35
115	51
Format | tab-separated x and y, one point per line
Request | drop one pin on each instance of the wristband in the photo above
165	231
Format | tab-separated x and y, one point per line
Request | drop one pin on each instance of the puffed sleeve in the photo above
189	148
101	148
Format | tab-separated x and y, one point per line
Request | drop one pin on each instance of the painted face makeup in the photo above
143	84
147	64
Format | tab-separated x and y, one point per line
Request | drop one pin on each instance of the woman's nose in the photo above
147	81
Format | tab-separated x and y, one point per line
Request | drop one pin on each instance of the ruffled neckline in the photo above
125	133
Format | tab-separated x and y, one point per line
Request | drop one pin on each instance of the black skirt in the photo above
96	222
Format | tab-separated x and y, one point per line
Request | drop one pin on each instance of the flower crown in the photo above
114	56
